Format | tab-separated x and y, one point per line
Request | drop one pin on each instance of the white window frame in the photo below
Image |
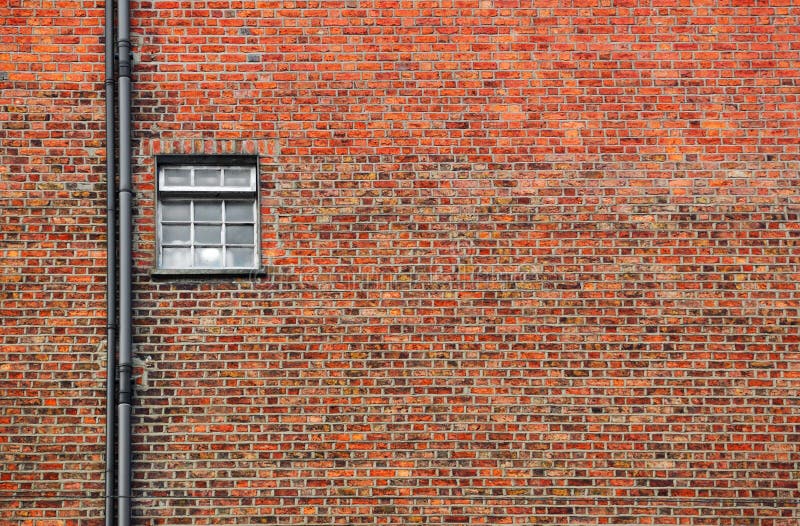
193	194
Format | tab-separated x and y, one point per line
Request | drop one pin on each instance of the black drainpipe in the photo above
125	267
111	279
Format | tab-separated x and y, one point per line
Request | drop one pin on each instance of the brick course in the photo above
525	263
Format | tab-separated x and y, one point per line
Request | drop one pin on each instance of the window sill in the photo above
202	273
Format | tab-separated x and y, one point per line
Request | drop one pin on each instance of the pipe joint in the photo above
124	57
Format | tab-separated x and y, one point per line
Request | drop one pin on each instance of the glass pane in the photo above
206	176
176	257
208	234
239	211
175	211
239	257
208	257
172	234
239	234
177	177
239	177
208	211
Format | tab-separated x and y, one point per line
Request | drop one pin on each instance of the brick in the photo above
525	264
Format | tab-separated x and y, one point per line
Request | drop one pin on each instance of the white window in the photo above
207	217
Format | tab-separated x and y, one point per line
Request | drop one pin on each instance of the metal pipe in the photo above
111	259
125	266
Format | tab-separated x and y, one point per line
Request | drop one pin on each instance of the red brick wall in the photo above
525	264
52	262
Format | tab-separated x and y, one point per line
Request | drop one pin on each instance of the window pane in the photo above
172	234
239	211
175	211
206	176
208	234
177	177
208	211
176	257
208	257
239	177
239	257
239	234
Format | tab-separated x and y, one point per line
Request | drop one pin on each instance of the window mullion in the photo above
224	233
192	234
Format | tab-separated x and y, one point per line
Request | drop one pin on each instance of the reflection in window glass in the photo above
240	235
208	234
239	257
177	177
239	211
208	211
207	176
208	257
177	234
176	211
238	177
172	257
